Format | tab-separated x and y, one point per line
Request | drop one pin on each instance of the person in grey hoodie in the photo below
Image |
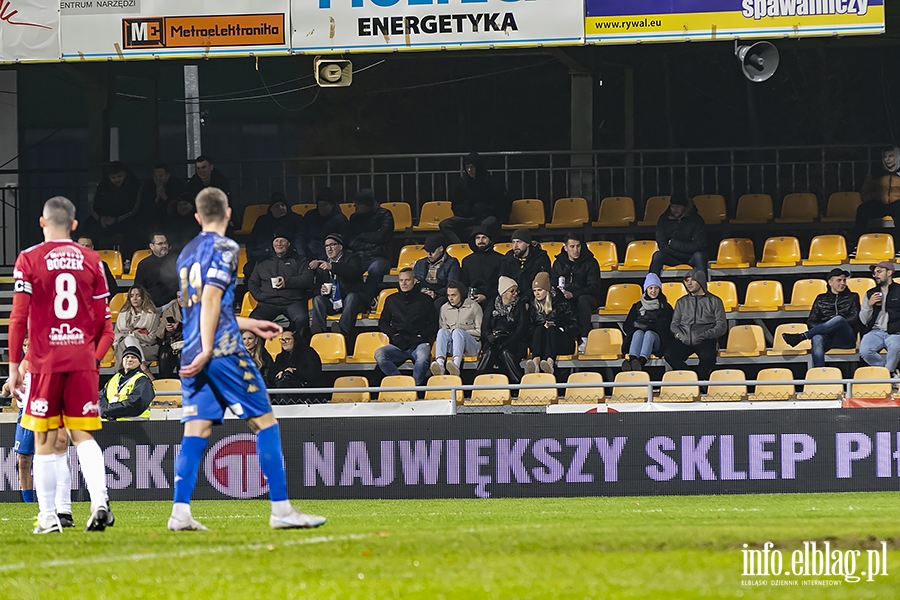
697	324
460	330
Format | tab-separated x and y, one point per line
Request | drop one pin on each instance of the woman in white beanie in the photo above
503	332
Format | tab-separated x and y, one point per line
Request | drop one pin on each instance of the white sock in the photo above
181	510
45	483
94	470
282	508
63	484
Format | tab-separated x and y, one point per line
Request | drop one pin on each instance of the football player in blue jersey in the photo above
217	372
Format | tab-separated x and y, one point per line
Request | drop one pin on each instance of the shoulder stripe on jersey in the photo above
106	295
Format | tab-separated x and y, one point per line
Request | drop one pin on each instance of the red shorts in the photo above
71	395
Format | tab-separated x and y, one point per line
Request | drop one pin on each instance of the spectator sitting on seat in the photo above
880	319
172	340
481	269
279	217
282	285
576	273
646	326
410	322
129	392
554	329
296	366
257	350
698	322
475	201
138	324
504	330
833	321
157	273
524	262
115	202
156	197
370	231
680	236
181	226
207	175
318	224
880	194
88	242
339	279
436	270
460	330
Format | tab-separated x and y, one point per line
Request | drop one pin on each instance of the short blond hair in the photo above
211	205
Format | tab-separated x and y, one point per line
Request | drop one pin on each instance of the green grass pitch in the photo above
638	547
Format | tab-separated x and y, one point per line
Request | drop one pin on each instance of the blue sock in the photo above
187	466
271	461
28	495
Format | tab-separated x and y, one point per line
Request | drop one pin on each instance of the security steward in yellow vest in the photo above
128	394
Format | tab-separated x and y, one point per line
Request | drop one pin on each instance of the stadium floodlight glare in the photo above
331	72
758	61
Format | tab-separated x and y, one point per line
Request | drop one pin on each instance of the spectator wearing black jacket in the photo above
296	366
181	225
282	284
128	394
411	323
111	285
504	332
880	193
115	203
475	201
156	197
436	270
524	262
369	232
340	280
318	224
279	217
646	326
206	175
680	236
481	269
576	273
554	330
879	317
157	273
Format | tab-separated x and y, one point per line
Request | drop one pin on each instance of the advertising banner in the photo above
29	30
513	455
143	29
323	26
636	21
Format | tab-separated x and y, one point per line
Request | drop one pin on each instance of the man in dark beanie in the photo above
339	279
369	233
129	393
317	224
436	270
279	216
681	237
524	261
481	269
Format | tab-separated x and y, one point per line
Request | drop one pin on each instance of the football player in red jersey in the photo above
60	299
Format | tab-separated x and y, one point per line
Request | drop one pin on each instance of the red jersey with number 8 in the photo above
63	280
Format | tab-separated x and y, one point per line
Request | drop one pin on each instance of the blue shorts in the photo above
24	438
226	382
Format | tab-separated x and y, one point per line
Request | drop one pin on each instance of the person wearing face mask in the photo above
460	330
880	319
504	332
880	193
646	326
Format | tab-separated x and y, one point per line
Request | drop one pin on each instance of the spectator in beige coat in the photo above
138	325
460	330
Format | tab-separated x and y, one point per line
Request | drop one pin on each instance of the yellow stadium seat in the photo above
432	214
366	345
656	206
348	208
730	256
630	393
860	285
726	393
242	261
247	304
677	393
805	292
398	381
116	303
591	395
442	381
782	348
603	344
109	359
113	260
638	255
827	250
872	389
168	393
775	391
615	211
379	305
873	248
842	207
459	251
402	214
606	254
764	296
330	347
726	291
744	340
620	297
711	207
673	290
136	259
503	247
822	391
569	213
526	214
347	383
753	208
251	214
799	208
781	251
497	396
302	209
408	257
273	346
552	249
537	397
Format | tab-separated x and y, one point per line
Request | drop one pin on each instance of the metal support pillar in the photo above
192	115
581	178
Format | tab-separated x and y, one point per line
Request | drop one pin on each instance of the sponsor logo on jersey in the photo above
39	407
68	258
65	335
91	408
232	467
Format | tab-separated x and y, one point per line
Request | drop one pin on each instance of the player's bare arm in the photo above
210	307
264	329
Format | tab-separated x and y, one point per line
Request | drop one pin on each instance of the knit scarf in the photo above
648	304
432	275
503	311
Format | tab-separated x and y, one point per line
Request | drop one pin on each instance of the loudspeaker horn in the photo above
758	61
333	72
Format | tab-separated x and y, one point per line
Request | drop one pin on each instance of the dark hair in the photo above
202	158
162	166
211	204
155	233
405	270
573	236
459	287
115	167
365	196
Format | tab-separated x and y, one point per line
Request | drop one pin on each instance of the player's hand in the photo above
264	329
14	378
193	369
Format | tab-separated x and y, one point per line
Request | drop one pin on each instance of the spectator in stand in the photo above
576	273
115	202
206	175
157	274
172	340
318	224
181	226
698	322
340	280
138	324
475	201
282	285
880	194
257	350
680	236
554	329
436	270
157	196
880	319
481	269
646	326
833	321
297	366
460	330
280	217
504	330
88	242
410	322
370	231
128	394
524	262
